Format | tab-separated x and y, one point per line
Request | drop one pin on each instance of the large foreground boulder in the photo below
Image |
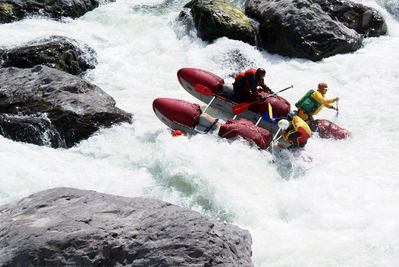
45	106
13	10
55	51
71	227
217	18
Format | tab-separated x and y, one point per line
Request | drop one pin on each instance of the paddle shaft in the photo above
239	108
282	90
210	102
337	110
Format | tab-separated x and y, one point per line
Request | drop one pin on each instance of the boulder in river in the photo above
217	18
14	10
45	106
57	52
72	227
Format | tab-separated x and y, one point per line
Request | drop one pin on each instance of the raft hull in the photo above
187	117
329	130
182	115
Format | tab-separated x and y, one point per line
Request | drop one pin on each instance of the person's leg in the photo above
304	116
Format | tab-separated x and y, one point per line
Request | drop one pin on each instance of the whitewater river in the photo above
340	209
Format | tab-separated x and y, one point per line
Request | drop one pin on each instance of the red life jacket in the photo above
245	75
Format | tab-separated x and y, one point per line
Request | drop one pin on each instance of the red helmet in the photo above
322	86
260	72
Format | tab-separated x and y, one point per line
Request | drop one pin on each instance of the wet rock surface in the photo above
55	51
66	226
69	108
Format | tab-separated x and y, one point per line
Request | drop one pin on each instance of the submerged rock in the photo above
42	100
71	227
56	52
218	18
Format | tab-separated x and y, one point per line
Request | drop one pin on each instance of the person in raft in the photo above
246	85
313	101
294	130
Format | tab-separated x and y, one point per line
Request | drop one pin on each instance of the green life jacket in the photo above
308	103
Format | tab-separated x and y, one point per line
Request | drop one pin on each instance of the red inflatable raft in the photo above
188	117
199	82
191	79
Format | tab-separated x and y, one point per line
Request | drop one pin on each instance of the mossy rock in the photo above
217	18
7	13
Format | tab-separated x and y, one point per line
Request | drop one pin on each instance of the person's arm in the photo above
325	102
252	84
266	88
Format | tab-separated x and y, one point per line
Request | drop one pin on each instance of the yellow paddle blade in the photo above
270	111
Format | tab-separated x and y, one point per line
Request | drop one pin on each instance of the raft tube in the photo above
187	117
327	129
182	115
242	128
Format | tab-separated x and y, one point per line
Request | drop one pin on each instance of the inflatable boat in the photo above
181	115
212	90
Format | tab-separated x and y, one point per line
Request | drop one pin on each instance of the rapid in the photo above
340	207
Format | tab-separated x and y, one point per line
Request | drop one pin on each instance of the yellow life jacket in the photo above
298	125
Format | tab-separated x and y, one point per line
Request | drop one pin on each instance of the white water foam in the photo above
339	210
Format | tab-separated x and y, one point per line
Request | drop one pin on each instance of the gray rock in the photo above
56	51
65	226
300	28
30	129
364	20
65	105
13	10
218	18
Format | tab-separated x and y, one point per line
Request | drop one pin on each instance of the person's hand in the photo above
262	97
336	99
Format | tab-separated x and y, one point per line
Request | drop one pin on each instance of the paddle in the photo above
240	108
279	128
202	89
270	114
270	111
336	115
282	90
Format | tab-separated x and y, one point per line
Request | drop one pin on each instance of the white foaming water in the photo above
340	209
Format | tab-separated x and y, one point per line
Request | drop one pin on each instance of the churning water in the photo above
340	209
